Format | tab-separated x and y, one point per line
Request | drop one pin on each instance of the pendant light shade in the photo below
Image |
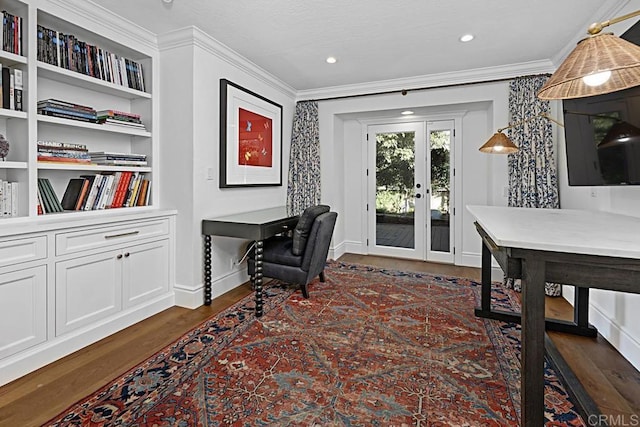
594	55
601	63
499	143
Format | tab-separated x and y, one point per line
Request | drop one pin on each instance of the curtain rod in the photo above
406	91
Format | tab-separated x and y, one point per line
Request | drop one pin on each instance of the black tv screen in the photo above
602	136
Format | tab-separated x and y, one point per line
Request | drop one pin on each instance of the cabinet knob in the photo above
119	256
126	254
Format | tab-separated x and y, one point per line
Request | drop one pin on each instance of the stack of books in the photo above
108	158
120	118
67	110
59	152
107	191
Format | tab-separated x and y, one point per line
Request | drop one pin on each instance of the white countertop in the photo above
561	230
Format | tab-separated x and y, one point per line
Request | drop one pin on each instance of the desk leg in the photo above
532	358
258	278
485	302
581	308
207	270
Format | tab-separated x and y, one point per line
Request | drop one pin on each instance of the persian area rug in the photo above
371	347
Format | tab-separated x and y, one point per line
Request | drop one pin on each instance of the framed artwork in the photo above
250	138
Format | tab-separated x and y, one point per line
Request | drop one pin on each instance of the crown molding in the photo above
478	75
193	36
106	22
605	11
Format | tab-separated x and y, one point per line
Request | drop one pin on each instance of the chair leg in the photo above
322	279
252	279
305	291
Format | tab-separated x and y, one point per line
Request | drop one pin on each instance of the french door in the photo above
409	190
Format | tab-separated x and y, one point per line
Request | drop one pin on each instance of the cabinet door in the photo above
146	272
23	309
87	289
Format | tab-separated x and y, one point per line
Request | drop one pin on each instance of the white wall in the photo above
192	65
481	177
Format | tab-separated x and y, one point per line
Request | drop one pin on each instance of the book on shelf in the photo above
124	124
7	91
46	112
8	199
118	159
18	89
72	194
62	145
68	52
66	105
11	35
55	152
48	196
116	114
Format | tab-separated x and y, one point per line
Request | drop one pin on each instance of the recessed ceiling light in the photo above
407	112
331	60
466	38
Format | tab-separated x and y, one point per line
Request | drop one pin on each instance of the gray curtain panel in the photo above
533	181
303	188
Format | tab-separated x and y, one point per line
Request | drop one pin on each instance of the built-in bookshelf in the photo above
55	62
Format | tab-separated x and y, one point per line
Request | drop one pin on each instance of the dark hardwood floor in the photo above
34	399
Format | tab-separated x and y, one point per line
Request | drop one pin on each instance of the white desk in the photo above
583	248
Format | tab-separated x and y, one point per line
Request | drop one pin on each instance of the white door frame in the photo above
456	192
417	252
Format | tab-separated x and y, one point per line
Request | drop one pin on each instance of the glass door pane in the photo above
395	196
440	233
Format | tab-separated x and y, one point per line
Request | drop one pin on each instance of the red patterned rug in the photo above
371	347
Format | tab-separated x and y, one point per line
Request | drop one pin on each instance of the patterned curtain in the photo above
532	170
303	188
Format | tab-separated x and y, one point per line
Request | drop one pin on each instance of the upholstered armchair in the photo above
300	258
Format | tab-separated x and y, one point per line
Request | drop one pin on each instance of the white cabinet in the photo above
87	289
67	284
23	309
145	272
90	288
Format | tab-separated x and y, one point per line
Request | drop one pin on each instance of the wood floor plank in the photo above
35	398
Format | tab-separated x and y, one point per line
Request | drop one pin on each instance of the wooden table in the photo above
588	249
254	225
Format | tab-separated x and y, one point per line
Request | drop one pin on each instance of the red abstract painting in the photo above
254	139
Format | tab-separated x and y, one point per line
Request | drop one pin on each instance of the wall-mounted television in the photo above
602	135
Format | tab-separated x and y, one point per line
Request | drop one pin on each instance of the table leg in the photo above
485	302
207	269
581	307
532	358
258	277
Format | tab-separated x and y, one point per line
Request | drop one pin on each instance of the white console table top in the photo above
561	230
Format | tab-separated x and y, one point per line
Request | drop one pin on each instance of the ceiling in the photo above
378	40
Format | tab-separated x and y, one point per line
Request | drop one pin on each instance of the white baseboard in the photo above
27	361
194	297
337	251
189	297
628	346
354	247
